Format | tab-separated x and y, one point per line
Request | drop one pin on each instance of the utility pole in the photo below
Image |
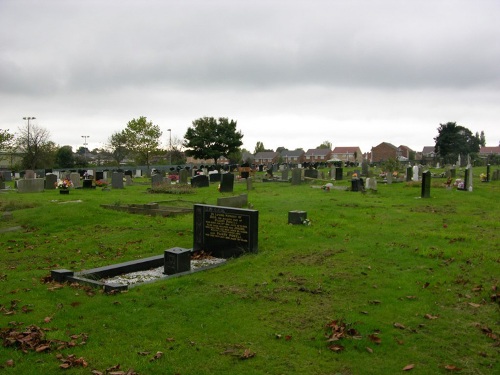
85	146
170	146
29	148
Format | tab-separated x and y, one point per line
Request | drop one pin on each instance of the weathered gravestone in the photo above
32	185
117	180
156	179
488	173
214	176
237	201
371	184
75	179
496	175
99	176
284	175
128	180
225	232
249	183
415	173
311	173
296	176
200	181
50	181
87	184
388	178
227	183
7	176
29	174
357	184
426	185
183	176
364	168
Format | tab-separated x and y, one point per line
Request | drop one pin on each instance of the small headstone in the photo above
183	176
453	173
488	173
75	179
200	181
177	260
156	179
249	183
311	173
364	168
468	185
50	181
371	184
338	173
426	184
415	173
225	232
296	176
297	217
496	175
7	176
29	174
237	201
87	184
284	175
138	173
409	174
388	177
227	183
99	176
128	180
117	180
215	177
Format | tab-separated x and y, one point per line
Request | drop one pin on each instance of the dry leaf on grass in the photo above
408	367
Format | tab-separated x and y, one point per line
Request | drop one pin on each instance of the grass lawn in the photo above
379	283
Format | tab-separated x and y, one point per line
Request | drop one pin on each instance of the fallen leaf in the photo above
369	350
452	368
426	285
399	325
408	367
474	305
430	317
47	319
374	338
158	355
288	337
247	354
336	348
9	363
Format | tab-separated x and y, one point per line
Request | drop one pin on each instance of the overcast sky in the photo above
291	73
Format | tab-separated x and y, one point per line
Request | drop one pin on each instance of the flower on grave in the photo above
63	184
173	177
101	183
459	184
306	222
354	175
482	176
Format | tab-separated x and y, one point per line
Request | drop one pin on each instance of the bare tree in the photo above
33	141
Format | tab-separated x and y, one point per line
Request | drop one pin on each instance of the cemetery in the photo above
331	270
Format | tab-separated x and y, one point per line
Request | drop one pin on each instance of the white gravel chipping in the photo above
157	273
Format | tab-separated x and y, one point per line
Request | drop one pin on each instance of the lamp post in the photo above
29	153
85	146
170	146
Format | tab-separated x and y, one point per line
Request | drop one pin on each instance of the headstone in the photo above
488	173
138	173
117	180
311	173
409	174
50	181
371	184
156	179
364	168
75	179
338	173
29	174
237	201
415	173
227	183
426	184
183	176
357	184
284	175
7	176
453	173
496	175
32	185
225	232
245	170
468	184
200	181
215	177
177	260
388	177
296	176
128	180
99	176
249	183
87	184
296	217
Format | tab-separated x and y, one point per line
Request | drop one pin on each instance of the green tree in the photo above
117	145
6	139
259	147
454	140
326	145
211	138
142	138
64	157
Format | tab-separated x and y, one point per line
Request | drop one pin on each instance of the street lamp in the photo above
170	147
85	146
28	119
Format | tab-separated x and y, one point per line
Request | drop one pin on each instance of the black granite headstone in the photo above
426	184
225	232
200	181
214	177
227	183
87	184
99	176
409	173
338	174
177	260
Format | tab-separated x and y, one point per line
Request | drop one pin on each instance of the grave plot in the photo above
153	209
219	233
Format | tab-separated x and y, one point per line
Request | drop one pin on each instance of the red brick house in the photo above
384	152
266	157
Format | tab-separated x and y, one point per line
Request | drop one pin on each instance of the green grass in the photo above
368	260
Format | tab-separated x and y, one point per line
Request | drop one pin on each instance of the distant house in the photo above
384	152
221	161
487	151
292	156
348	154
428	152
317	155
406	152
266	157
